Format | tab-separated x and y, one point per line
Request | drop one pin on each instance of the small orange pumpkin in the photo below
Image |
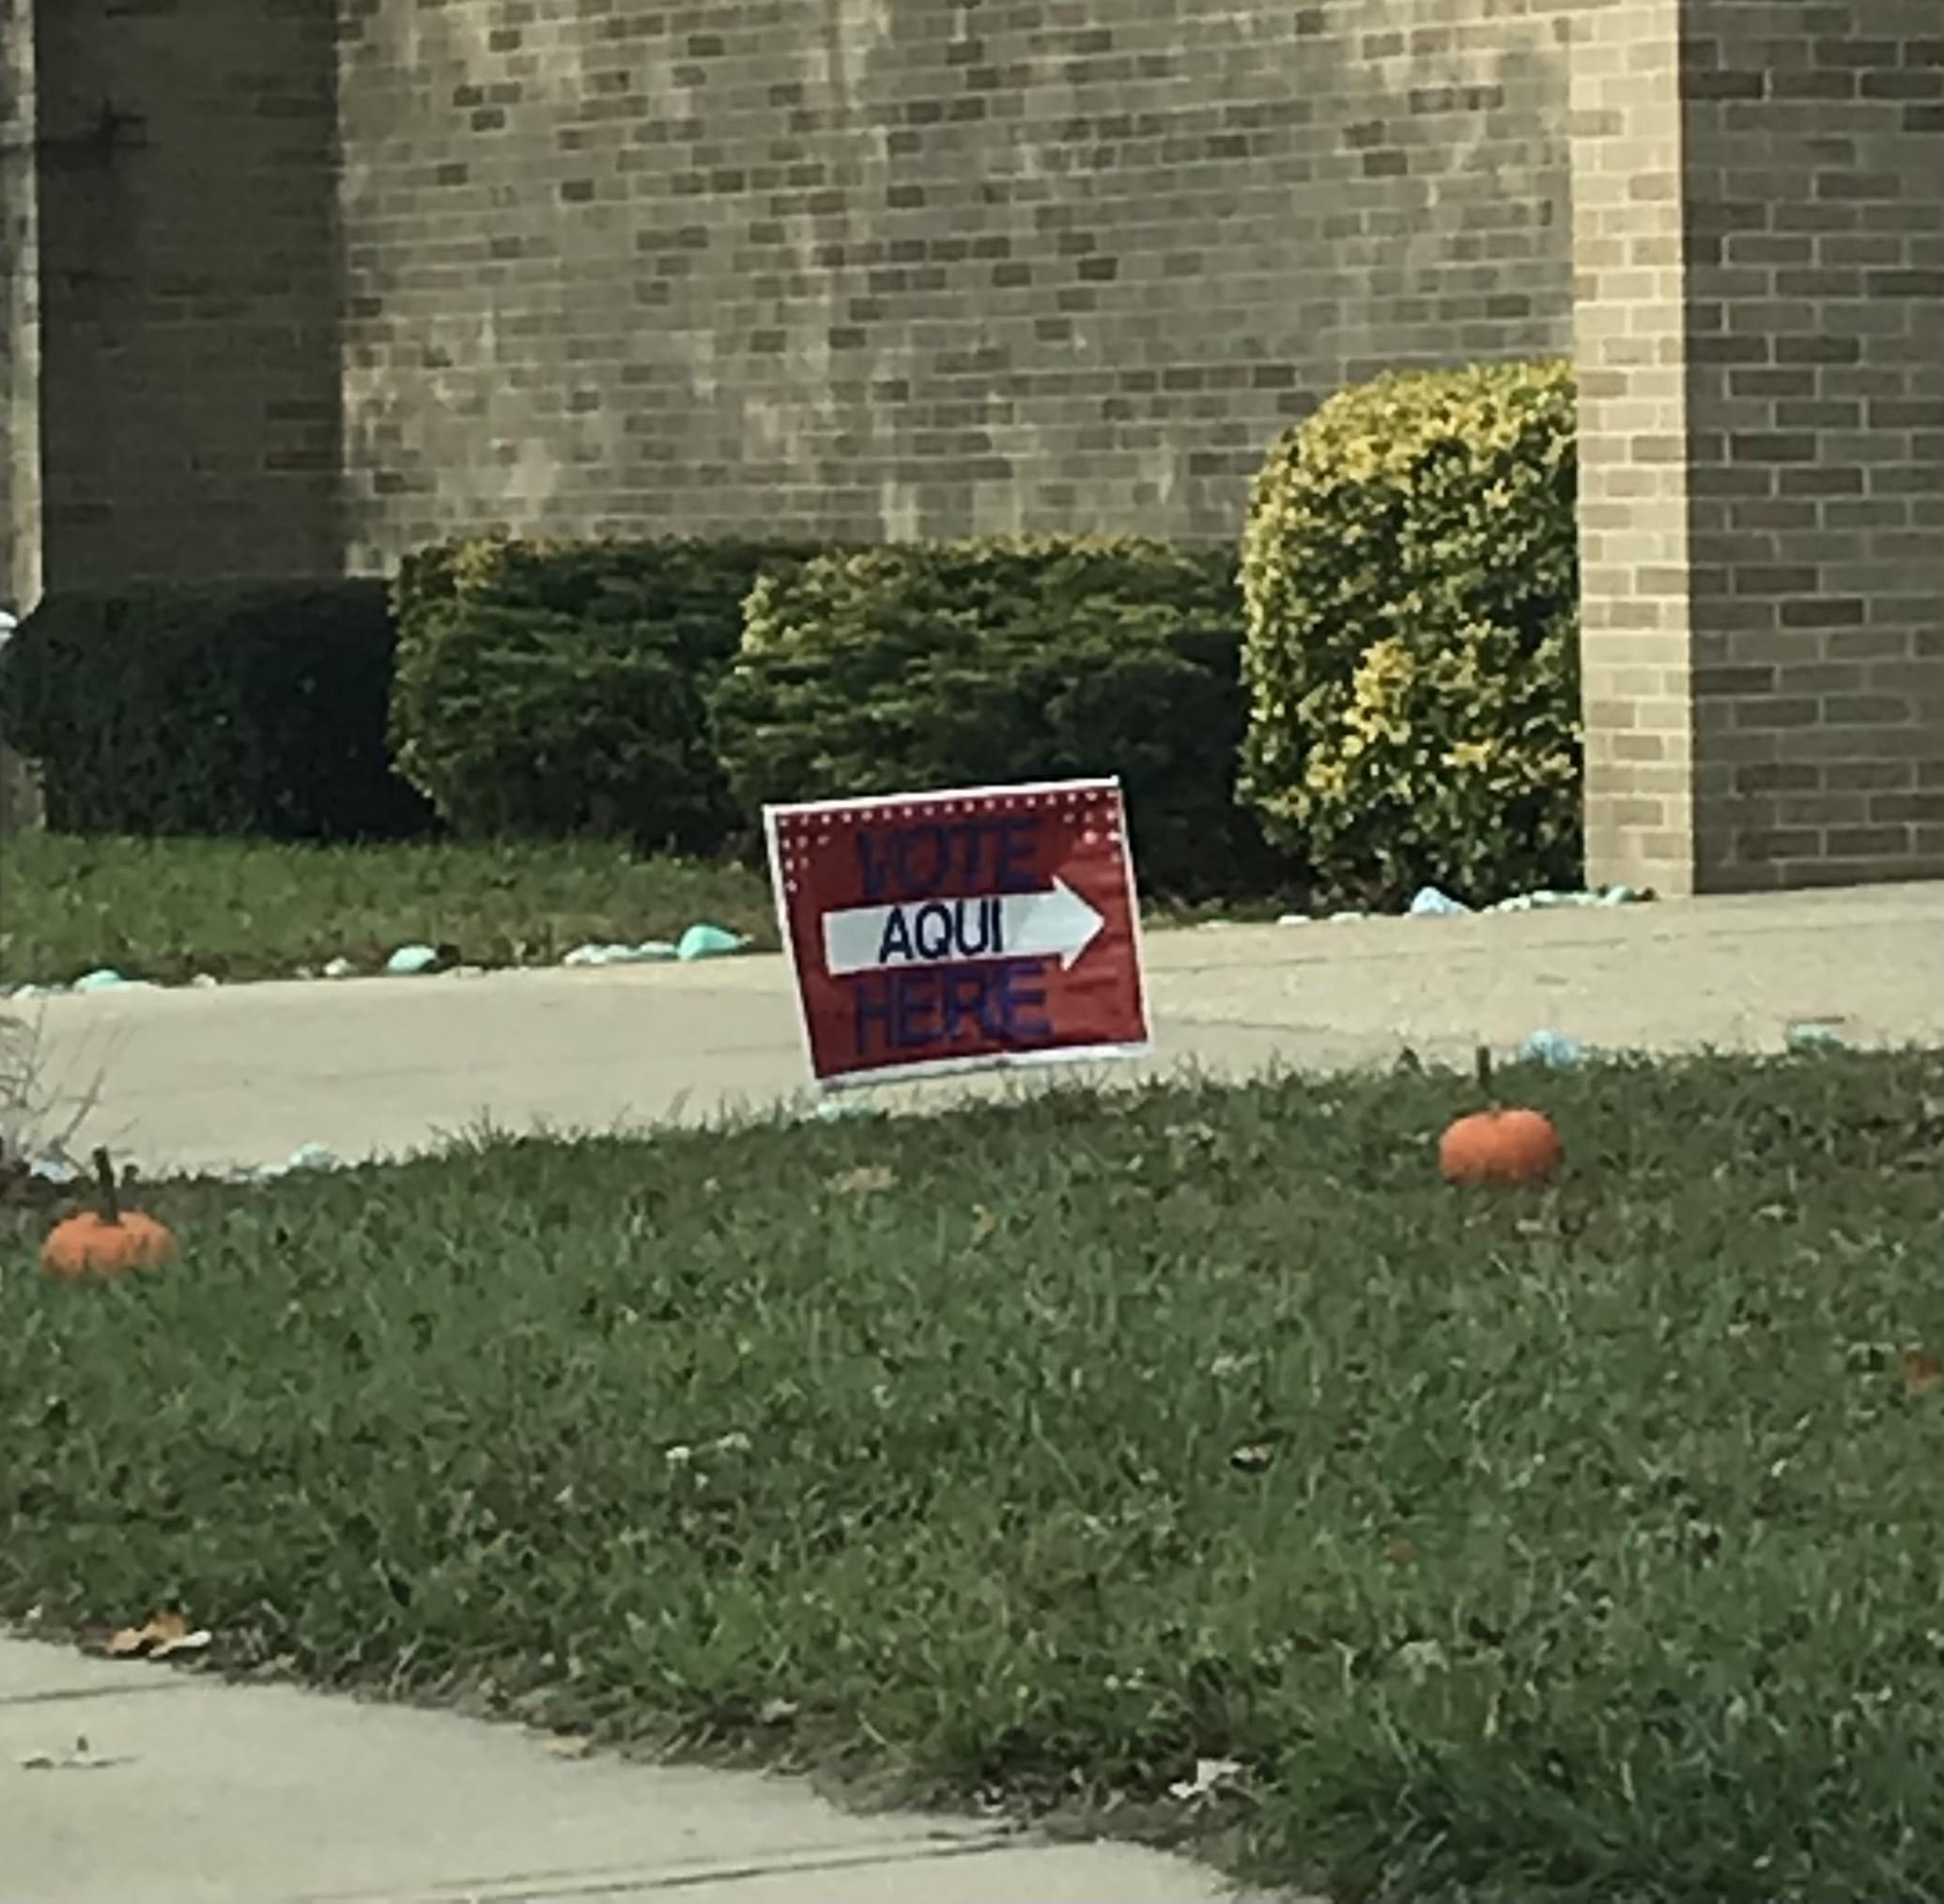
1501	1144
110	1241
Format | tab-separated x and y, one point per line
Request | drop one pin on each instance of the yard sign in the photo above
956	931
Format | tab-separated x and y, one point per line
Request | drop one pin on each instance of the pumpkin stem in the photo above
1482	1057
104	1176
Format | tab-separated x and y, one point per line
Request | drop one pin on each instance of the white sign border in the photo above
997	1060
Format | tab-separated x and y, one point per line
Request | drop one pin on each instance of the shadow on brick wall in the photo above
192	274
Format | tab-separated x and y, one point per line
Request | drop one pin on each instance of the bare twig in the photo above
37	1121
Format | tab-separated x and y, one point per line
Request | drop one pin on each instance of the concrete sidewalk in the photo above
248	1075
192	1791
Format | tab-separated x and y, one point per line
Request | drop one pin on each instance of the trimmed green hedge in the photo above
1411	567
556	689
231	709
936	665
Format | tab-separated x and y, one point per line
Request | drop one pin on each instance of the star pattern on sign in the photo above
1094	812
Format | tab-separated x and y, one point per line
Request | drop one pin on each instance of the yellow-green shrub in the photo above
1410	578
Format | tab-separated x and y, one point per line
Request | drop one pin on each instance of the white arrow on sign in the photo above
1056	923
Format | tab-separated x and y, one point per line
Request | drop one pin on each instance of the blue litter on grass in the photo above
1433	901
836	1110
305	1157
1553	1047
1544	901
708	942
409	960
649	951
108	980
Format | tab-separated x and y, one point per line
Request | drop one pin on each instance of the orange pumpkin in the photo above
1501	1144
110	1241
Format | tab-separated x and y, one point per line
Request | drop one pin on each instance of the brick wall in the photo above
190	288
320	279
1814	156
887	268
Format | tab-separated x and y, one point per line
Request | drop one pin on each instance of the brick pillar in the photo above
1759	236
1629	340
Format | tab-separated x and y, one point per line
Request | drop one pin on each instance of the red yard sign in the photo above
940	932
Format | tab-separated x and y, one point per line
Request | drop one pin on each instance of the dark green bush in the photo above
552	689
938	665
1411	573
230	709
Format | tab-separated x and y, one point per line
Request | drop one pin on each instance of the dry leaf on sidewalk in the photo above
1922	1373
165	1633
83	1758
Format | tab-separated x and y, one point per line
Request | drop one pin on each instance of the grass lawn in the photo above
1584	1543
167	909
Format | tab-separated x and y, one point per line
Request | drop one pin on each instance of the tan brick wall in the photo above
1814	156
190	288
888	268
